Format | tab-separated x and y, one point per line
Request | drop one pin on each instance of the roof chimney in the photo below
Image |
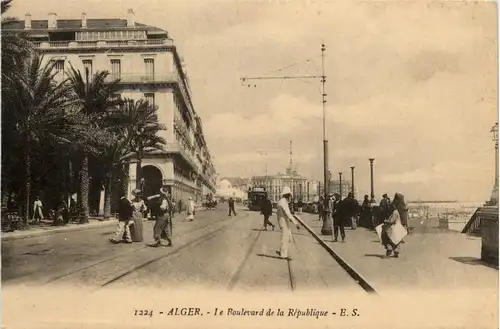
52	21
84	20
130	18
27	21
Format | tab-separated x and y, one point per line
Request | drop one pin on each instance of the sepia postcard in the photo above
249	164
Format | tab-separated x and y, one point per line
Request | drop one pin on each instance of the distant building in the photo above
301	188
226	190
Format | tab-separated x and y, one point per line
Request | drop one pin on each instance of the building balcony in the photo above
128	78
80	44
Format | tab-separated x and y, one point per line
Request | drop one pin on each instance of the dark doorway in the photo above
153	180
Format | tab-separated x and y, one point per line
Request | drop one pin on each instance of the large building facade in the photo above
146	62
301	187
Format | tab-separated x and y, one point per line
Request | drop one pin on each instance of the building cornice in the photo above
118	49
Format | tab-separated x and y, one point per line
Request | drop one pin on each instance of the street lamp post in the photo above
372	192
352	181
494	194
340	185
327	228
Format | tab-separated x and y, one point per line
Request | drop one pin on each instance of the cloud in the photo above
286	115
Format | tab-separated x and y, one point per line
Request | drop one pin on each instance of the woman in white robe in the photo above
392	233
190	209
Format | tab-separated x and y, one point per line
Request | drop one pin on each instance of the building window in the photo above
59	67
149	64
150	98
87	66
116	69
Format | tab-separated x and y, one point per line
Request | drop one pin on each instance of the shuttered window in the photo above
149	64
59	68
150	98
87	66
116	69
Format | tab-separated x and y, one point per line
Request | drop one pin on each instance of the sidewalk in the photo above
429	259
46	229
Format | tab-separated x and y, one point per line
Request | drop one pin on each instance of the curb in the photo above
348	268
81	227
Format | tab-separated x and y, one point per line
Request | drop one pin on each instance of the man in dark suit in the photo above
231	207
125	212
267	211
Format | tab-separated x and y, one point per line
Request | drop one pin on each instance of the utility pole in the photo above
340	185
291	175
327	228
352	182
372	192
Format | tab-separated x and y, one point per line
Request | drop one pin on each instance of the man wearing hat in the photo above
163	223
284	218
337	216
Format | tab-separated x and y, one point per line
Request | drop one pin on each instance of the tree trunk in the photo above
138	174
107	195
125	179
27	182
84	190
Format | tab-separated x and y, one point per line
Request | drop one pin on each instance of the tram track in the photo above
236	276
356	276
144	247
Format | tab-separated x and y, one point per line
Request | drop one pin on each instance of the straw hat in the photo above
136	192
163	190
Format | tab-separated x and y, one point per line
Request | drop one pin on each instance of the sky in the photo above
412	84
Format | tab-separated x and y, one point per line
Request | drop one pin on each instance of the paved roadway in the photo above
214	251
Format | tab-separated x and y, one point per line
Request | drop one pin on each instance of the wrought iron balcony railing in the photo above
102	44
143	78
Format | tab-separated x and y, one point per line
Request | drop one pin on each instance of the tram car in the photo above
256	195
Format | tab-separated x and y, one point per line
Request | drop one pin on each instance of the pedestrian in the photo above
300	204
392	233
139	207
163	224
37	210
350	209
180	206
321	207
284	218
190	209
384	209
338	218
366	212
267	210
125	213
231	207
401	206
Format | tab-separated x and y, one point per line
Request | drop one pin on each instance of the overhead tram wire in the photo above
265	77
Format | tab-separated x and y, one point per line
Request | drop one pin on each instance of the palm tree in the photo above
15	46
143	128
34	110
94	98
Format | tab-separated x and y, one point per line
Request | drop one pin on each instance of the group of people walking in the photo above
390	218
130	217
344	213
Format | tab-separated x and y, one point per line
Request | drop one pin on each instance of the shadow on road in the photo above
473	261
374	255
269	256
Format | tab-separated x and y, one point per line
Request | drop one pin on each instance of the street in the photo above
214	251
